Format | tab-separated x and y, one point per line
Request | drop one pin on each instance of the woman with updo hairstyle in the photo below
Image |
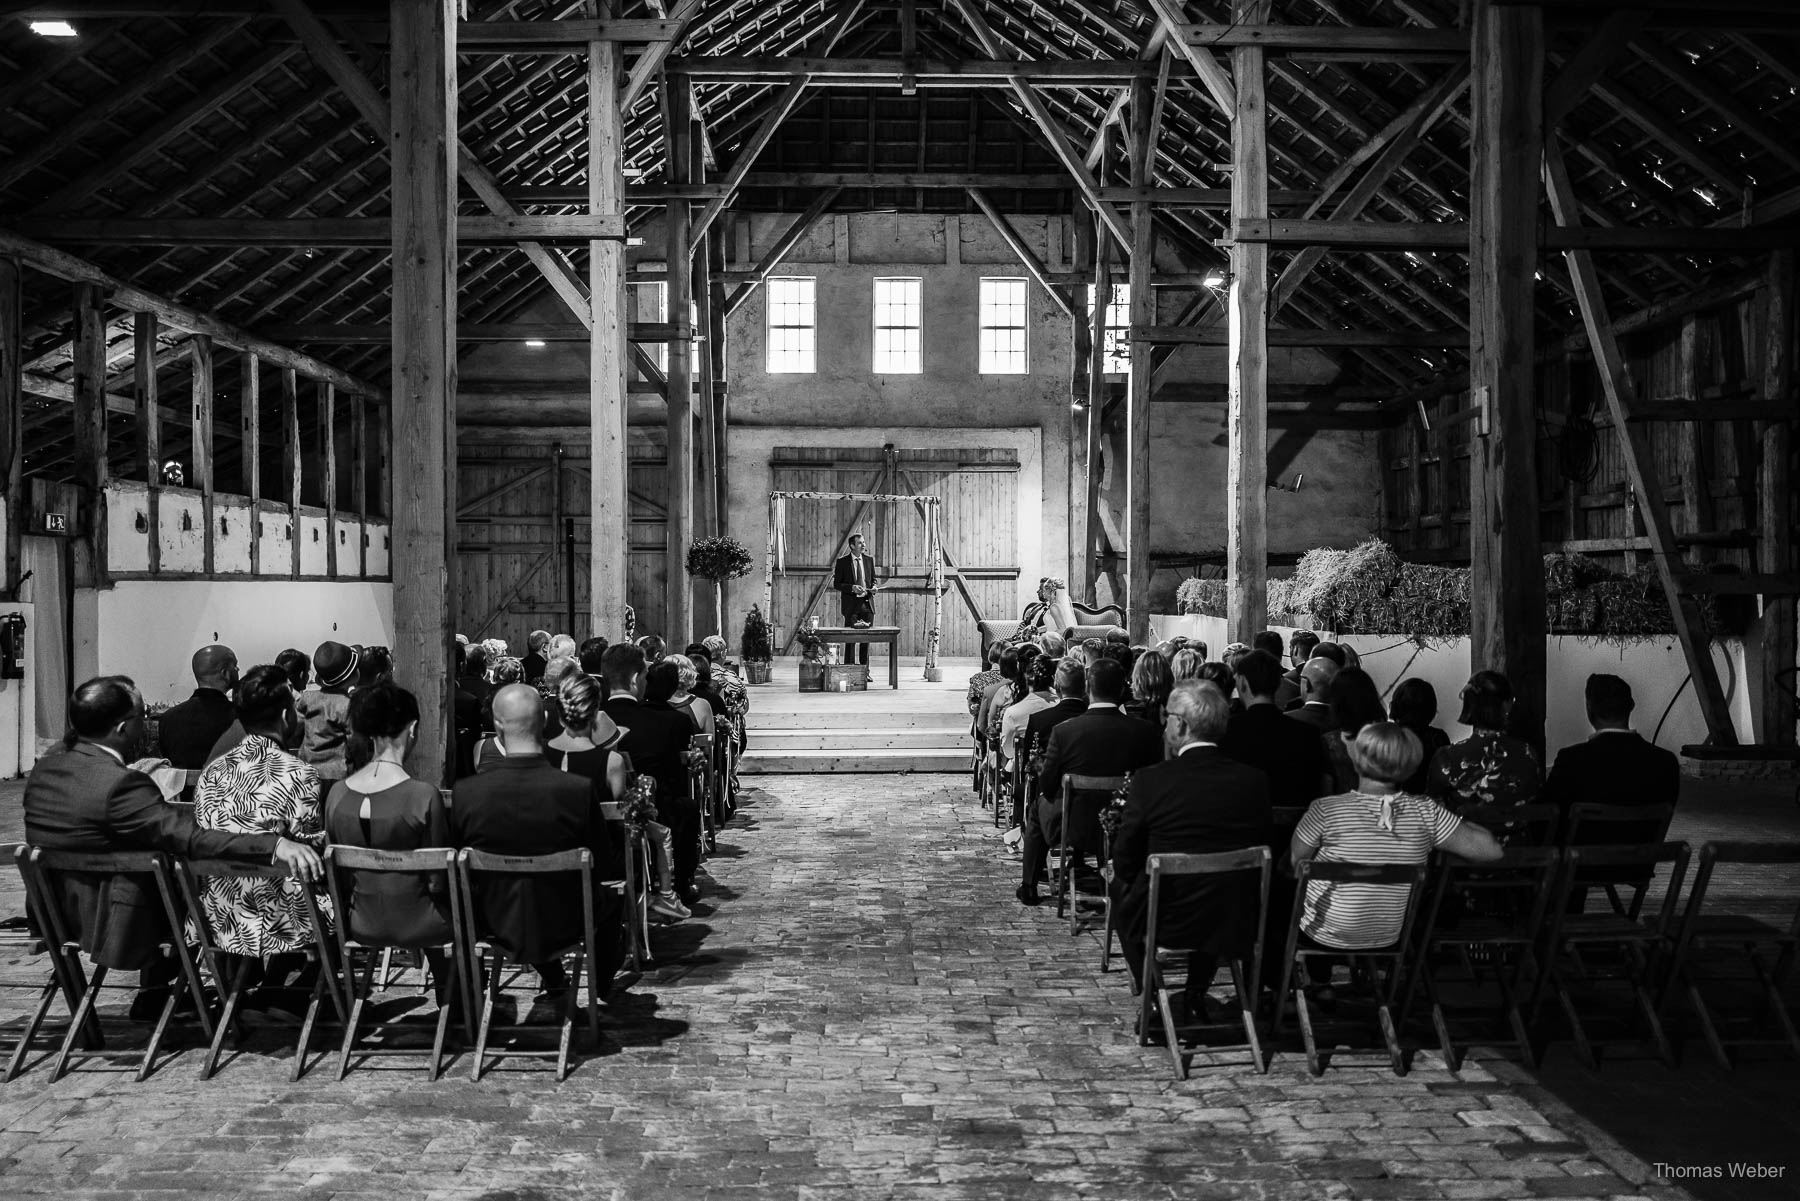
1186	664
588	744
382	807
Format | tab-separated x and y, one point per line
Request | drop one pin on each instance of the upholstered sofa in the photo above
1060	612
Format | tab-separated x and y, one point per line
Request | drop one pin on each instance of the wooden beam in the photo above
889	72
1640	469
292	466
90	432
1412	339
1247	308
1590	61
424	150
372	233
1096	408
1017	245
504	332
137	300
148	412
782	247
12	423
678	534
650	62
201	476
1174	24
1303	41
1353	235
566	36
1144	129
327	427
947	180
1506	591
1775	500
610	522
1754	239
249	455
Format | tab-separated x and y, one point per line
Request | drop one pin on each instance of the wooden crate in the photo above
834	677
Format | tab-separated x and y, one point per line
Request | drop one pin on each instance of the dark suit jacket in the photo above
524	806
1202	802
1289	691
186	733
1286	751
85	800
655	738
533	665
1039	724
1101	742
843	578
1316	715
1614	769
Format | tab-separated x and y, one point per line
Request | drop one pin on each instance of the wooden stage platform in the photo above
919	727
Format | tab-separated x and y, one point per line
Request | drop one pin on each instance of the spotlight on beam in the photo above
1216	280
53	29
535	343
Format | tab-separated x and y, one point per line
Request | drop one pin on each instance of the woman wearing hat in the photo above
325	711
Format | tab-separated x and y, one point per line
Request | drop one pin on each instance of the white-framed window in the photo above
899	326
1002	342
1115	356
793	321
652	301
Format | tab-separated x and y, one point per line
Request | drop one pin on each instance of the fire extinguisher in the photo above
12	646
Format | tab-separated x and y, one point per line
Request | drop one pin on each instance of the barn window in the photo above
1002	316
793	325
1116	359
899	327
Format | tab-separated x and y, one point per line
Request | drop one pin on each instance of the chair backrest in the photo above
1761	854
1410	876
1084	799
1528	825
1522	879
1642	859
92	877
190	873
342	861
1642	824
1165	866
472	863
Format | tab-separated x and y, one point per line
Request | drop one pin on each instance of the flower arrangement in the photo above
755	642
812	644
718	559
640	800
630	624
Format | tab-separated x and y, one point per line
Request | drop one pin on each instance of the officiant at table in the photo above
853	575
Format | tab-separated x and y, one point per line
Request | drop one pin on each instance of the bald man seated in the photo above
1315	680
521	805
187	732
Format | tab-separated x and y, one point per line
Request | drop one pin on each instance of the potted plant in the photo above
718	560
756	646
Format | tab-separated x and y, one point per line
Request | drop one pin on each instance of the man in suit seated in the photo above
86	799
187	732
1103	741
1299	650
656	739
519	804
1197	802
853	577
1314	709
1263	737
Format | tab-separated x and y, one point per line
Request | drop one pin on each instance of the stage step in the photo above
770	762
868	712
850	739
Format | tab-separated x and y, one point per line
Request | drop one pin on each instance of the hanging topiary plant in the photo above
718	559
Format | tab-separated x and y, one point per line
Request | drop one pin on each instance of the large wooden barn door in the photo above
979	490
514	502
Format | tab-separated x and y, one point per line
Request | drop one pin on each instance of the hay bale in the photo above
1566	573
1203	596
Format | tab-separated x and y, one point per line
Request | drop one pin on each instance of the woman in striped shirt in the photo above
1376	822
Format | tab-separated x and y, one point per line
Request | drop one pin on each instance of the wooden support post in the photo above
149	427
423	151
328	473
1137	399
90	434
716	347
710	604
1775	502
1096	413
1247	331
1082	365
609	521
250	452
678	533
1506	586
291	467
12	420
359	482
202	349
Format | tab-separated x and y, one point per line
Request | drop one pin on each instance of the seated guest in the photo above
1103	741
537	658
1376	823
1415	707
259	786
376	666
1300	649
298	668
1070	687
85	799
1040	682
1052	644
1150	685
1615	766
505	670
1489	767
982	680
1197	802
656	738
549	687
521	805
381	807
652	647
473	678
1186	664
1269	643
562	647
1337	652
325	711
734	694
1355	702
1016	689
1009	675
671	682
1262	736
588	654
1315	683
186	732
466	706
1221	676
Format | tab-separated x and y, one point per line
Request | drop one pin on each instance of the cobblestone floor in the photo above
866	1013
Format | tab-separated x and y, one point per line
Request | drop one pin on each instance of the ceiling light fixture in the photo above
535	343
1216	279
53	29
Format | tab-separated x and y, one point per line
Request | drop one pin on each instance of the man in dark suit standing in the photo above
187	732
656	739
1103	741
87	799
1615	766
1198	802
522	805
853	576
1263	737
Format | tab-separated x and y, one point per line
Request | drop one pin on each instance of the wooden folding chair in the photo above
635	887
1494	910
699	772
1578	943
1295	978
1246	979
231	984
34	940
64	936
1754	936
491	958
1516	825
341	864
1617	825
1082	830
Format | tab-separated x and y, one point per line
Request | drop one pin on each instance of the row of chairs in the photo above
60	884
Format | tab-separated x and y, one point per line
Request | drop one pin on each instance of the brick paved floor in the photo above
866	1014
